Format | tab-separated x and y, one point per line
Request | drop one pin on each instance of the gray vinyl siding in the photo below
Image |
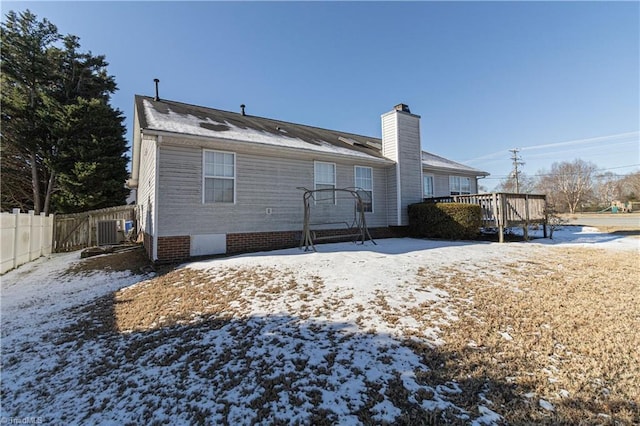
392	195
265	178
410	163
441	182
401	143
390	136
146	192
390	150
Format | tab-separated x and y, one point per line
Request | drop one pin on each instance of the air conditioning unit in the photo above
108	232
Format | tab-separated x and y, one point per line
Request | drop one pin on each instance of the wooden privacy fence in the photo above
80	230
24	237
503	210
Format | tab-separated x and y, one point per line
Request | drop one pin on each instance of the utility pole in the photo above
517	161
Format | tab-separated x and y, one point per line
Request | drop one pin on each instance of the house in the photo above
442	177
213	182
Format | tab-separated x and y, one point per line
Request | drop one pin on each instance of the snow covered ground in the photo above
301	337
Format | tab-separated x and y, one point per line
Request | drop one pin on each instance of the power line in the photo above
551	174
599	140
620	167
618	138
517	161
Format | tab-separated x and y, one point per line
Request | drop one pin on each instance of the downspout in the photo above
155	196
420	164
398	182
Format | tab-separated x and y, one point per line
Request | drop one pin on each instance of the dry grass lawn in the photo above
553	340
564	329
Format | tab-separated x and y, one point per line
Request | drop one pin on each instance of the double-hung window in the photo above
219	177
427	186
364	185
325	178
459	185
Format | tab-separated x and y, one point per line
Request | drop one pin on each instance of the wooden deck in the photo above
503	210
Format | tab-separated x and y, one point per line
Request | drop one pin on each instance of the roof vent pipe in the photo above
157	98
242	108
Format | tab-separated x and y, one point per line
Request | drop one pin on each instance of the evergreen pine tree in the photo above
57	122
25	71
91	165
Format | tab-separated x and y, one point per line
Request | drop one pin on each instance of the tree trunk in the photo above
47	199
35	183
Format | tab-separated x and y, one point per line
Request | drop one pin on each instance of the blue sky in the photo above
559	80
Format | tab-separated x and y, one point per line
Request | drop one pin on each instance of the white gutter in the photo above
477	173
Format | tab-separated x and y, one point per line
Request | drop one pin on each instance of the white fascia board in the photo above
135	148
363	157
430	169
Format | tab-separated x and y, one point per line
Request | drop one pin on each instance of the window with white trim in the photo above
364	185
219	175
459	185
324	178
427	186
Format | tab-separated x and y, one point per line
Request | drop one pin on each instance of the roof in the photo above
433	161
181	118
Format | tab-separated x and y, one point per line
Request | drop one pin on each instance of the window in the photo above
427	186
219	177
325	178
364	183
459	185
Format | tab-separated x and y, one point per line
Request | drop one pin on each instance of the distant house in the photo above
212	182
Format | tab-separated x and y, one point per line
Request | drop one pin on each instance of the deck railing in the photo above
503	210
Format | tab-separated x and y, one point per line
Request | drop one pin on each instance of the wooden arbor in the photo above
355	231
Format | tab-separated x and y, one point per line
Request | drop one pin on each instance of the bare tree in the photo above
526	184
629	187
606	188
568	183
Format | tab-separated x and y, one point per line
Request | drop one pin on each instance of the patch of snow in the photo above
34	295
487	417
506	336
184	373
433	160
546	405
191	125
582	236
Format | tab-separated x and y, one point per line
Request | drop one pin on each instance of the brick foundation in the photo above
389	232
173	249
261	241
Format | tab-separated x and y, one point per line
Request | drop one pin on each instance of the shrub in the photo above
453	221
